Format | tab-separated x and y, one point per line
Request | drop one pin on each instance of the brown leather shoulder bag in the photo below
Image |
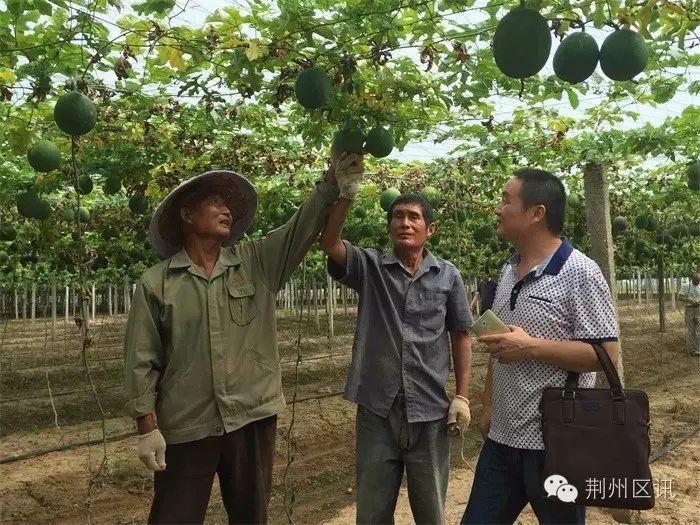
597	440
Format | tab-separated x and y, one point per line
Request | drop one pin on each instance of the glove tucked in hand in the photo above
349	169
459	415
151	450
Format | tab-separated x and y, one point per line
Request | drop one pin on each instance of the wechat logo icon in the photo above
556	485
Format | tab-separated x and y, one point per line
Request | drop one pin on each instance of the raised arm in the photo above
281	250
331	241
348	169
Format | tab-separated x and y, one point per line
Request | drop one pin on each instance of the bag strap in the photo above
571	381
608	368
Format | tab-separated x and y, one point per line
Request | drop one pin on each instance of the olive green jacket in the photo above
202	353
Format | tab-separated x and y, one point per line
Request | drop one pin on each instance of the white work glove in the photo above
459	416
151	450
349	169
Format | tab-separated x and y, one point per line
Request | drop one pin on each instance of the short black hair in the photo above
413	198
541	187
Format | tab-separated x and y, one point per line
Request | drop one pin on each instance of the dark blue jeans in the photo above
506	479
387	446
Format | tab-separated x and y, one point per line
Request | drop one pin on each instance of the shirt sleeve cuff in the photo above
336	271
142	405
329	192
460	325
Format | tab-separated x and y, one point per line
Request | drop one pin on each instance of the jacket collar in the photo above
227	257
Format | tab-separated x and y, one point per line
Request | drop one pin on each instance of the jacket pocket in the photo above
258	378
241	303
537	298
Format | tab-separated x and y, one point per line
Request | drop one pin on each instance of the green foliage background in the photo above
175	100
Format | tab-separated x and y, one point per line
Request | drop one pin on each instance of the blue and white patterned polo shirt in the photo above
564	298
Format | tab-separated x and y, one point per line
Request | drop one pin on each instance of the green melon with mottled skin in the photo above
44	156
312	88
521	43
75	114
576	58
623	55
387	198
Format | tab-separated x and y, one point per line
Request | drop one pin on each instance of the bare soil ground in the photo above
56	488
676	477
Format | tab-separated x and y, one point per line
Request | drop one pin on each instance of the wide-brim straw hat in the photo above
241	198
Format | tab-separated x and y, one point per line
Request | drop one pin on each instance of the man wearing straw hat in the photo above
202	369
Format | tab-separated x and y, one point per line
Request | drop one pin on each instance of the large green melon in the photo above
623	55
312	88
7	232
43	210
574	200
642	222
360	212
432	195
694	176
576	58
619	224
678	231
44	156
28	204
387	198
522	43
138	204
75	114
379	142
349	139
84	185
653	224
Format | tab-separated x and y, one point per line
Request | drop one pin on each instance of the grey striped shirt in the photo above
401	339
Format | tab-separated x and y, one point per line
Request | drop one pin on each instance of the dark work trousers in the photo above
506	479
388	446
243	460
